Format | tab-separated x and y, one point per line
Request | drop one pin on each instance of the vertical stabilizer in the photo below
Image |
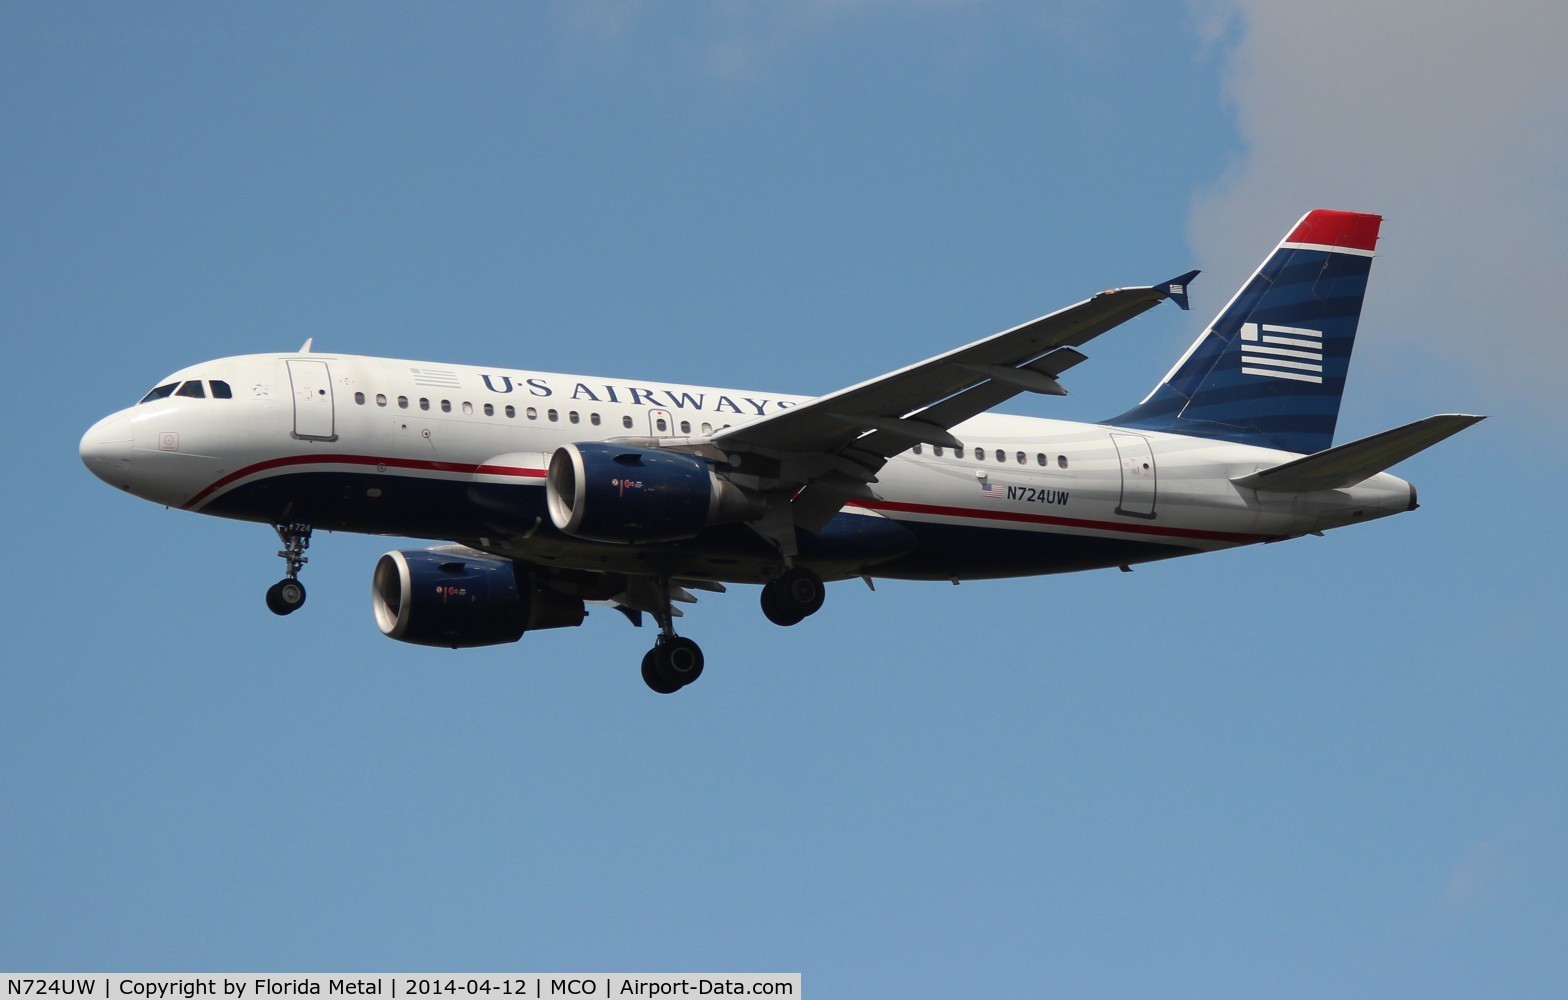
1270	370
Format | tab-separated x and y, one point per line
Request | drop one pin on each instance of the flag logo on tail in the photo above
1289	352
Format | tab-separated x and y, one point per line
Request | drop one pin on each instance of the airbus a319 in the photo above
558	491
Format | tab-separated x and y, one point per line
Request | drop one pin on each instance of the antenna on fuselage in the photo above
305	347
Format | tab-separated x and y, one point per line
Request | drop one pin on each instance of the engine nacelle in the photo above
614	493
454	599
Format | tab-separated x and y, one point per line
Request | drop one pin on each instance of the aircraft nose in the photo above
106	450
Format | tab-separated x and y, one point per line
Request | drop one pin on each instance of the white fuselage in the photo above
460	453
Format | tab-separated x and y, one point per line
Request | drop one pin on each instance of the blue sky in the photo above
1332	766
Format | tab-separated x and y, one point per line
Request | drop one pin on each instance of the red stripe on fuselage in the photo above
1062	522
891	506
459	468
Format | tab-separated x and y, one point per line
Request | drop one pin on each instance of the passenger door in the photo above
311	384
1138	478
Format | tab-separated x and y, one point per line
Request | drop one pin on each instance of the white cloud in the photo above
1452	124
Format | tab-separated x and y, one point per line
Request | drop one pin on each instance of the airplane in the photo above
556	491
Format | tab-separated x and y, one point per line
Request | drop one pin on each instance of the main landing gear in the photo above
794	596
287	595
674	661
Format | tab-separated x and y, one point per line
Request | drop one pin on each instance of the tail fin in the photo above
1270	369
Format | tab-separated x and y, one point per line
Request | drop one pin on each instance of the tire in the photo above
771	610
655	678
285	597
796	595
679	660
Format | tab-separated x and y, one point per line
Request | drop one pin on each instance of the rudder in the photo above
1270	370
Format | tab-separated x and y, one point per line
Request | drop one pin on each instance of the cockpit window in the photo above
162	392
192	389
220	390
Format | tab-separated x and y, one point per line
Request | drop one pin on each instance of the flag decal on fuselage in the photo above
1290	352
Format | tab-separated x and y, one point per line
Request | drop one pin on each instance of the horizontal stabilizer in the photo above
1360	460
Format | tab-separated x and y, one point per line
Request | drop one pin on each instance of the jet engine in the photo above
612	493
458	599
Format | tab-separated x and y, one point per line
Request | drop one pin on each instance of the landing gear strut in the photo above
795	595
674	661
287	595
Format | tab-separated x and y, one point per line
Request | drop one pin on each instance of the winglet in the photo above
1176	288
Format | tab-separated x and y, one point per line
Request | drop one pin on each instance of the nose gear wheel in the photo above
288	595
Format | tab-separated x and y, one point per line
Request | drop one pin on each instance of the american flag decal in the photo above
994	492
436	378
1289	352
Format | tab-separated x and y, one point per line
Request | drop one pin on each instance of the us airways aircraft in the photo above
558	491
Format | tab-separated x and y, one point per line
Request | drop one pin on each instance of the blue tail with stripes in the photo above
1270	370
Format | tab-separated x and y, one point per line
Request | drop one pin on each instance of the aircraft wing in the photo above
835	444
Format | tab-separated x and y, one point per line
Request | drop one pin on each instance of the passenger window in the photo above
1001	456
220	389
917	449
685	426
489	409
572	416
359	398
163	392
593	418
446	406
1023	459
511	411
531	413
1041	459
469	407
936	450
553	416
424	404
402	402
381	399
979	454
661	425
707	428
192	390
1061	460
626	422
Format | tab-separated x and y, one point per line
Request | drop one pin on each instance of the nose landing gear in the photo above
288	595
